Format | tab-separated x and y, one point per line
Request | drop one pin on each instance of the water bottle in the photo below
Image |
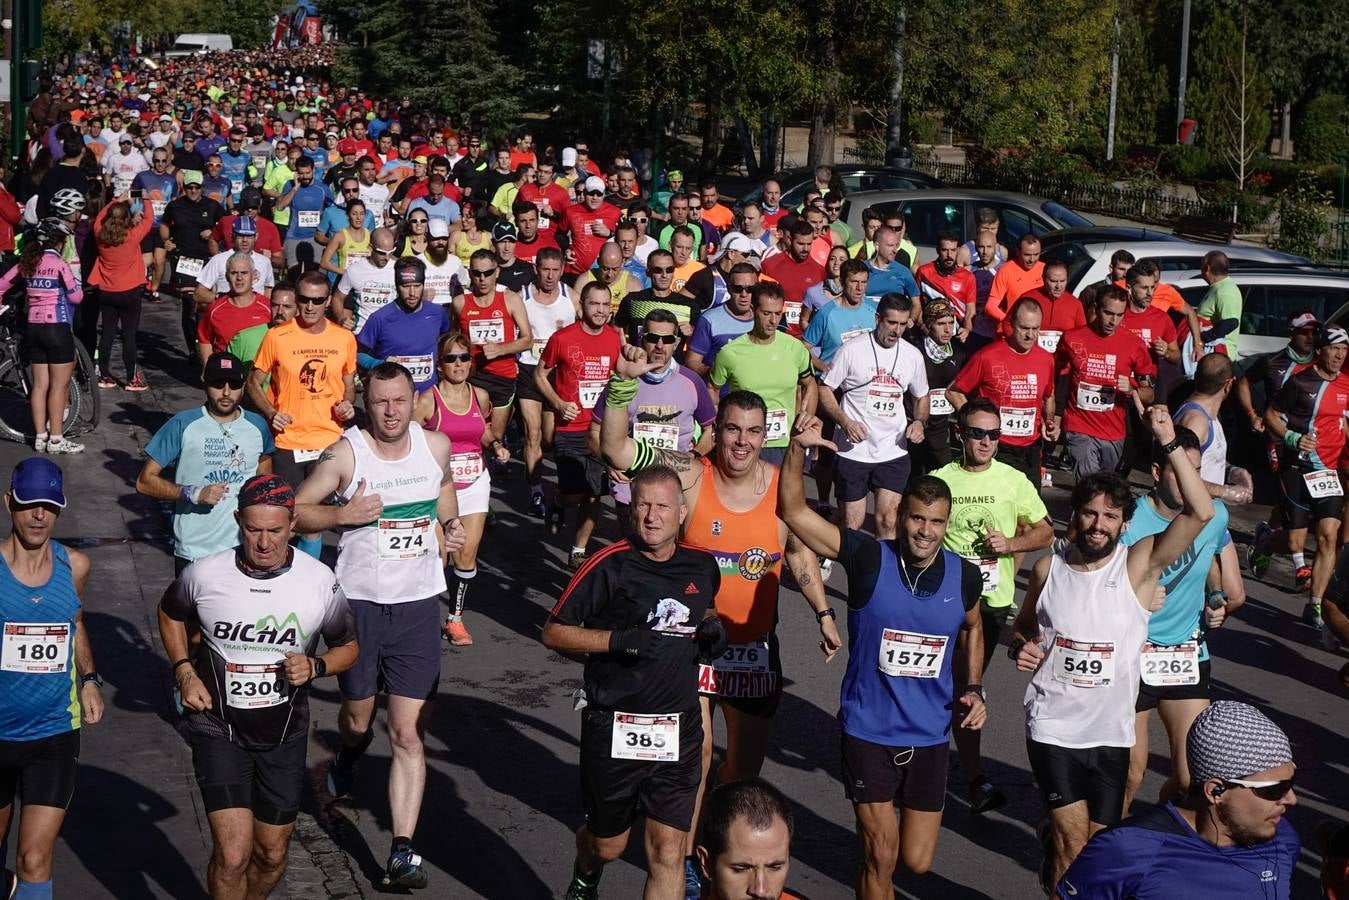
1305	456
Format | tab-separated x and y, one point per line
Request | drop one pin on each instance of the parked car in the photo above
1101	233
794	182
1271	295
928	213
1089	259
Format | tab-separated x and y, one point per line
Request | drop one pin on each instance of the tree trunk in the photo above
824	117
707	159
894	119
1286	130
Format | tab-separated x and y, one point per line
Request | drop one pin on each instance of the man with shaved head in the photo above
367	285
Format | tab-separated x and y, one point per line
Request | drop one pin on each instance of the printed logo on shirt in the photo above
670	616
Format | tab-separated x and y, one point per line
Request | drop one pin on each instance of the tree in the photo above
1233	96
441	54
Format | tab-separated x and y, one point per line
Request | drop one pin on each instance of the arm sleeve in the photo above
588	592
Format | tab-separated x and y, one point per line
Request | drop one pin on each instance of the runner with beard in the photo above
732	511
943	279
445	275
1081	632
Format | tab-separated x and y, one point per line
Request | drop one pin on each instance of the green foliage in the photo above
1303	218
1190	162
1251	209
1232	97
442	54
1322	135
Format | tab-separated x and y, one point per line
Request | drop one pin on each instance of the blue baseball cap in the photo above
243	225
38	480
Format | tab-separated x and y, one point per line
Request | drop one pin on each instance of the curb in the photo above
318	869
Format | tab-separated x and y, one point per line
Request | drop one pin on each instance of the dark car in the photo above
794	182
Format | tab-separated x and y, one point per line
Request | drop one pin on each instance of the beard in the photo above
435	256
1092	554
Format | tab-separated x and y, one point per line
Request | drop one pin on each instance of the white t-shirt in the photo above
440	277
874	381
376	198
372	287
644	248
213	273
122	169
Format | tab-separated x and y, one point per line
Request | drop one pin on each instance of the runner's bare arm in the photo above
1026	627
524	338
1147	564
816	532
970	647
572	640
331	474
807	395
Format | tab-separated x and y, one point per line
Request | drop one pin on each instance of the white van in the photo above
193	44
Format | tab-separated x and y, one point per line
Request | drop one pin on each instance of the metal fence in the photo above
1140	204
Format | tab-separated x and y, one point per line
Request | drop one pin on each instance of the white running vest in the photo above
545	320
395	559
1092	630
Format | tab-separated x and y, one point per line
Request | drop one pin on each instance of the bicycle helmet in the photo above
52	230
66	202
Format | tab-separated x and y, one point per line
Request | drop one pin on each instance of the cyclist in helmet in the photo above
53	290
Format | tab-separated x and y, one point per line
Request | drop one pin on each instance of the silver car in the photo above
1089	260
1271	296
927	213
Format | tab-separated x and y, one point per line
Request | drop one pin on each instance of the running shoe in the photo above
1311	613
1302	579
826	566
456	633
40	444
405	870
693	883
984	797
582	887
63	445
340	778
1046	480
576	560
537	506
556	516
137	383
1257	560
107	381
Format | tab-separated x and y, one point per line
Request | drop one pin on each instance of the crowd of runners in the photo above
388	313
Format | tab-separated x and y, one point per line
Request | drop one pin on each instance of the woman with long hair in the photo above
470	238
412	237
347	243
463	413
52	291
119	275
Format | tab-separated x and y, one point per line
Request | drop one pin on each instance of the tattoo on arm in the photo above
679	461
326	456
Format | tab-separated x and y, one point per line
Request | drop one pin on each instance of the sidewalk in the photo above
136	827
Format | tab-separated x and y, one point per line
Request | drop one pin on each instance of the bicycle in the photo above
83	403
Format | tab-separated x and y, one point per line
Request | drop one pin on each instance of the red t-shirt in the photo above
530	251
552	197
269	239
423	189
223	320
581	364
959	288
1094	364
1060	316
579	221
1017	382
796	278
1150	324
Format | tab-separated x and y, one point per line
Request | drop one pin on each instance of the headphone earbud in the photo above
1218	790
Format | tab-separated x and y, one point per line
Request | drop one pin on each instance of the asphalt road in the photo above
502	795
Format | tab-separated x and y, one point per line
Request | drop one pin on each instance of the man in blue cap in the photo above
45	662
212	282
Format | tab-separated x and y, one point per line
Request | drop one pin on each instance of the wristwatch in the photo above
91	678
320	667
1014	648
976	689
827	612
1173	445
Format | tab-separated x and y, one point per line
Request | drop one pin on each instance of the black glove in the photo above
711	636
634	643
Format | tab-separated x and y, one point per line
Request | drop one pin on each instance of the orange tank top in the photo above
490	324
748	553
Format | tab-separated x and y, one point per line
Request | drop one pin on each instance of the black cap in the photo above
223	366
250	198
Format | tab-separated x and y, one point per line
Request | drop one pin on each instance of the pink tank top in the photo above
465	433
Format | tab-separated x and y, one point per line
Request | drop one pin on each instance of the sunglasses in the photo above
594	193
661	270
375	251
191	187
301	299
456	357
980	434
419	221
1265	790
640	221
661	338
351	190
740	288
481	273
234	384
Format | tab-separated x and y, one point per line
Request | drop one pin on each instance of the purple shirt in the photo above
661	411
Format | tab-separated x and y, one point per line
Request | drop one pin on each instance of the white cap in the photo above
595	183
437	228
568	156
740	243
